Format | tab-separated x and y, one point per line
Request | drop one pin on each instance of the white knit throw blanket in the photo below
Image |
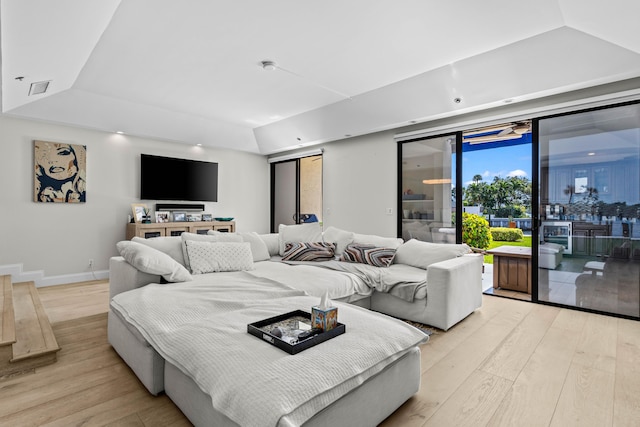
201	328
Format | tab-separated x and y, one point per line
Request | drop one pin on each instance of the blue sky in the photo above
503	161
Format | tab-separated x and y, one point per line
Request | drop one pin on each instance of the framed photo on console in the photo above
194	217
179	216
207	217
162	216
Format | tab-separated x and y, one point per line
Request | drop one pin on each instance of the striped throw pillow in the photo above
368	254
314	251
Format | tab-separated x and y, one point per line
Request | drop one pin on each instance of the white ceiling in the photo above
189	71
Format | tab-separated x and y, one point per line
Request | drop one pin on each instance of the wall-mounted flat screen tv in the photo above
167	178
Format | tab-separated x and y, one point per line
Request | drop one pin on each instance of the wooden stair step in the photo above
7	315
27	326
34	335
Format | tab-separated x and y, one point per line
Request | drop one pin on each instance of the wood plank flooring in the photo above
510	363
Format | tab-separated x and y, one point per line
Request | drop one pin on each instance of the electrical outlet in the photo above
90	262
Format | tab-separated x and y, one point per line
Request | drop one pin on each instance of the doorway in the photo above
497	185
296	191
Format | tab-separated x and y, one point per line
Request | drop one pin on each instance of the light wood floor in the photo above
511	363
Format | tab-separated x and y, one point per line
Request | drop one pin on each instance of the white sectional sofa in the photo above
434	284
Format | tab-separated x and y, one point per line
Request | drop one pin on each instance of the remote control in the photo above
310	333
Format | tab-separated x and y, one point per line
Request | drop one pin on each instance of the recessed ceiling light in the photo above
591	154
199	145
457	100
119	132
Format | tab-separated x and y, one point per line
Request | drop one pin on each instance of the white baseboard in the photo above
40	280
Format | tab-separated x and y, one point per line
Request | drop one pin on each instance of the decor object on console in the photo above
139	210
60	172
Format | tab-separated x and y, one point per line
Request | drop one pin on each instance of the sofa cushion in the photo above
372	239
170	245
211	236
272	240
422	254
310	232
152	261
368	254
312	251
341	238
213	257
259	248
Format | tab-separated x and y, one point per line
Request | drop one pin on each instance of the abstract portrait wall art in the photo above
60	172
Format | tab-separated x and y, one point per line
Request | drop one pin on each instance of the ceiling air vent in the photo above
39	87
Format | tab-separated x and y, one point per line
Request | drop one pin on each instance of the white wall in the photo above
59	239
360	184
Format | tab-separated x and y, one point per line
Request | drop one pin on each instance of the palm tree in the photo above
477	178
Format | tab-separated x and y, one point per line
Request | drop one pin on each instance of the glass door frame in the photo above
298	188
272	210
458	167
536	215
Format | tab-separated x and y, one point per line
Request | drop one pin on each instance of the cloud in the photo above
517	172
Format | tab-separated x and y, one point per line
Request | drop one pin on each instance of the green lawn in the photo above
526	241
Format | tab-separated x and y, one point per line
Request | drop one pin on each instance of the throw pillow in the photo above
212	257
212	237
340	237
368	254
422	254
170	245
316	251
310	232
152	261
372	239
259	248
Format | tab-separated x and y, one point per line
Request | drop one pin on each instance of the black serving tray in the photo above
261	330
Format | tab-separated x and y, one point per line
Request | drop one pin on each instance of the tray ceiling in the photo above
191	71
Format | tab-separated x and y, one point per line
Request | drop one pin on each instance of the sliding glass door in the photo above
589	207
427	185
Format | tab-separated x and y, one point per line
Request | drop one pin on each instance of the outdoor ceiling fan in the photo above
503	132
519	128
